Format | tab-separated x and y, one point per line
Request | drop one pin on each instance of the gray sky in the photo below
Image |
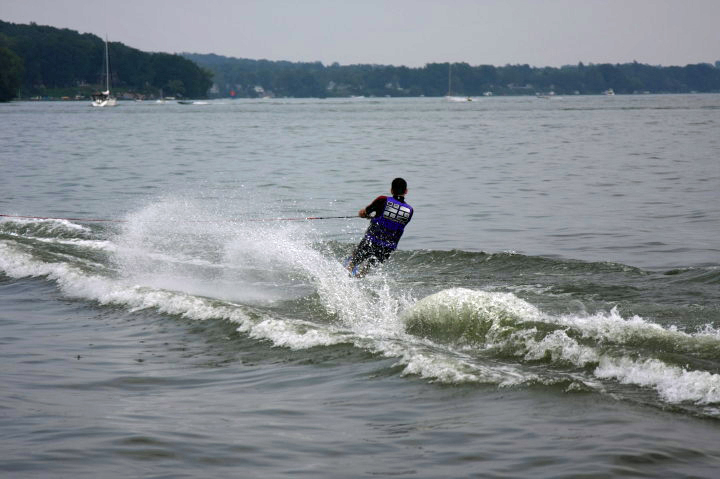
399	32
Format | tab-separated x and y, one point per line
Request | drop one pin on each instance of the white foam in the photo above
296	334
612	326
708	331
559	347
75	283
165	264
672	383
163	246
443	367
48	225
101	245
463	301
268	260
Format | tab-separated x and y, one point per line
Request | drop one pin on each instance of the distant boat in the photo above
104	98
461	99
161	100
609	92
449	95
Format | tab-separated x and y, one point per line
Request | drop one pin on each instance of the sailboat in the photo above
449	95
161	100
104	98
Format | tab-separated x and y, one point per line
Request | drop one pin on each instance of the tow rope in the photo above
96	220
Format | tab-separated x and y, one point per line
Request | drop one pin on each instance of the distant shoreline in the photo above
51	63
475	98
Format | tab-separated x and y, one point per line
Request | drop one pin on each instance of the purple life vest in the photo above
387	228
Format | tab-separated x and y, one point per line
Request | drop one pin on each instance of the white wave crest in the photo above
296	334
672	383
75	283
468	316
611	326
560	347
47	225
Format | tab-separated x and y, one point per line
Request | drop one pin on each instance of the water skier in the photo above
388	218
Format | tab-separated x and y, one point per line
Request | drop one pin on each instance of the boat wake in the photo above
281	283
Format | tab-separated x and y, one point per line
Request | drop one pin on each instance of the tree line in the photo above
41	60
36	60
253	78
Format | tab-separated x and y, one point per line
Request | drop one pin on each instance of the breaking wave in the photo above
605	345
281	283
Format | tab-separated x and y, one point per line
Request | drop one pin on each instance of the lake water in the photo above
553	309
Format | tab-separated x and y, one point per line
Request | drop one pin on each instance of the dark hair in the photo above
398	186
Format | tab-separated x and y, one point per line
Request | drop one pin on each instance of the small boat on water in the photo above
449	96
105	98
458	98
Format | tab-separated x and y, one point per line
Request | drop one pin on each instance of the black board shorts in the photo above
373	253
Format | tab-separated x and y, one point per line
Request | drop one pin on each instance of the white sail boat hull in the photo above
107	102
449	96
104	99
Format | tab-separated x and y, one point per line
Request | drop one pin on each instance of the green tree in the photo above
11	73
313	79
61	59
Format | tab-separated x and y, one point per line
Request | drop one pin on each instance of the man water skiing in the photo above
388	218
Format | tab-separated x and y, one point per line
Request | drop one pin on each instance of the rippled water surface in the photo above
553	310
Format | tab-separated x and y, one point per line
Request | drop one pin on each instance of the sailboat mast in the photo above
449	93
107	66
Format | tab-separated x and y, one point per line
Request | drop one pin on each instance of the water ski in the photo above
356	270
